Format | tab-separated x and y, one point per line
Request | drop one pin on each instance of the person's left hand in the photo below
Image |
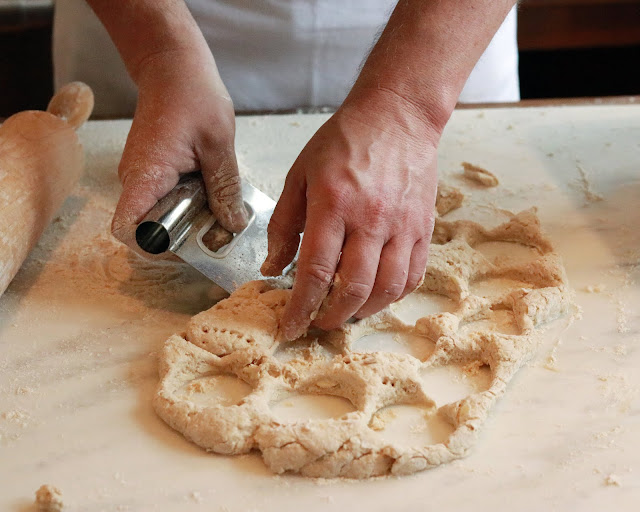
363	191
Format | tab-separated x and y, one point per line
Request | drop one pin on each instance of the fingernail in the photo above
321	312
239	218
288	331
292	332
122	230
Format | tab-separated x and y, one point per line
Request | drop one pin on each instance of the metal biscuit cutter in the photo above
177	223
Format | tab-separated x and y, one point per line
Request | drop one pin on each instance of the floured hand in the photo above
184	121
363	191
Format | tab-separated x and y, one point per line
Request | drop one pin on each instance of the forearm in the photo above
427	51
141	29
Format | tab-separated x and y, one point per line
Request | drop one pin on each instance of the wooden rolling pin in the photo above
41	159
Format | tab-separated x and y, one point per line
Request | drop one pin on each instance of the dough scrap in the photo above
49	499
448	198
216	238
239	336
480	175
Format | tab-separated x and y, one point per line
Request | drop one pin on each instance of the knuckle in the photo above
118	227
129	168
377	207
318	271
377	214
226	183
294	179
392	291
275	226
282	227
331	196
356	291
215	140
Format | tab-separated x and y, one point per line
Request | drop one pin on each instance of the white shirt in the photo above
271	54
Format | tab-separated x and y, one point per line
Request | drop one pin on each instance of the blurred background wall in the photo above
568	48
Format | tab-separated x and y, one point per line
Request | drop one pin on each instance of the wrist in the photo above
190	71
180	59
394	111
143	29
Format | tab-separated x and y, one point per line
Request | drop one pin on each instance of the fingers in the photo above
391	279
417	266
146	172
354	280
317	263
285	226
224	189
142	187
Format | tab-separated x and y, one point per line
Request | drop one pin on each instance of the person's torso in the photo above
295	52
272	54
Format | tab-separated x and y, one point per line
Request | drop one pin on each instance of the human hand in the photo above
363	191
184	121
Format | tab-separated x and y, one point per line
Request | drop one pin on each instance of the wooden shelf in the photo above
562	24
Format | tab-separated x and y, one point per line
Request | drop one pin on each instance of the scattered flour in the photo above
551	361
598	288
585	186
612	480
196	496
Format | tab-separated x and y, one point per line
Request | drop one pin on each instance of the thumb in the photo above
224	189
142	187
285	226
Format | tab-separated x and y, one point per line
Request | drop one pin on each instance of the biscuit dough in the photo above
479	175
49	499
238	337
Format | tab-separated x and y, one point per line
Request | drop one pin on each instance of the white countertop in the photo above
82	322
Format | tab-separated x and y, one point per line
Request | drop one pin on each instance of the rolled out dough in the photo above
239	336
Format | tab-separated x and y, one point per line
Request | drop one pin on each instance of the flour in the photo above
551	361
597	288
612	480
195	496
238	337
618	391
585	186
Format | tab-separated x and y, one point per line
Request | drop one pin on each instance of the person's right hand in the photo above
184	121
363	192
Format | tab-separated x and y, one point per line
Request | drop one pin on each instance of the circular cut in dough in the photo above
239	336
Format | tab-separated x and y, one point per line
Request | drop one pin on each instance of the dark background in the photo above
568	49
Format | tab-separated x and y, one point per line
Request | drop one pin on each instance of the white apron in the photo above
272	54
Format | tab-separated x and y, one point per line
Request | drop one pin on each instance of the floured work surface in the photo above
84	322
497	305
